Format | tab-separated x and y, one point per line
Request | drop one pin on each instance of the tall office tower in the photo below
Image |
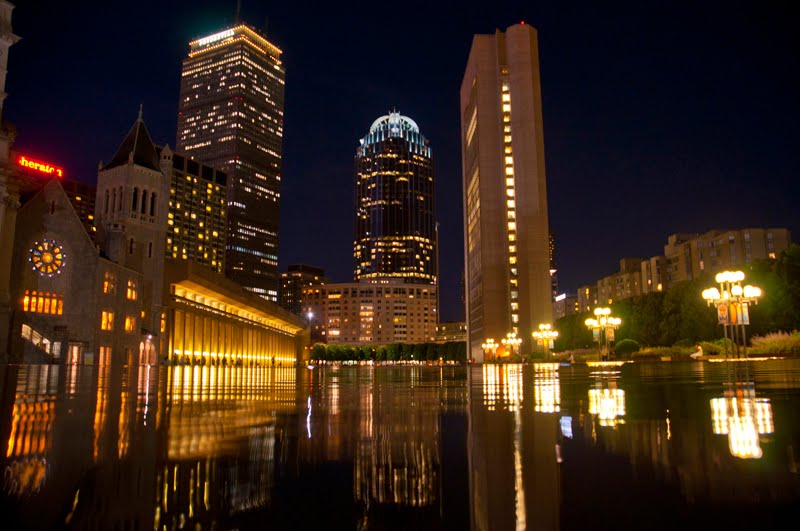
395	225
505	194
231	117
197	207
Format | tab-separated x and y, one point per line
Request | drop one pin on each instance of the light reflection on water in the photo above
545	446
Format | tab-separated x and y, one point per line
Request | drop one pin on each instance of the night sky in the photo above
657	120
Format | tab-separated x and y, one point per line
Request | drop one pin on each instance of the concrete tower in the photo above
505	194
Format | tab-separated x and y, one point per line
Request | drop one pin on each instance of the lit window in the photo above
509	170
507	139
109	282
41	302
506	97
512	225
107	320
510	203
506	107
131	293
130	323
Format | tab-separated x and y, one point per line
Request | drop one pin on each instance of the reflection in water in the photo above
498	447
606	400
743	418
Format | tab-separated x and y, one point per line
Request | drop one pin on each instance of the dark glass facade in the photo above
395	207
231	117
297	277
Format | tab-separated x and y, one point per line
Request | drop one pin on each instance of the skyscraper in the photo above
231	117
395	225
505	194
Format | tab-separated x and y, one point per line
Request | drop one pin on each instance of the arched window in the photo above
152	205
135	199
106	204
144	201
119	199
113	200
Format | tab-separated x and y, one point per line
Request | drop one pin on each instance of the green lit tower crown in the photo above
395	208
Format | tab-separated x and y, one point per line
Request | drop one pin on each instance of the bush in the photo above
713	348
626	347
776	343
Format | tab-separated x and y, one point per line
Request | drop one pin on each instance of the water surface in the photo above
634	446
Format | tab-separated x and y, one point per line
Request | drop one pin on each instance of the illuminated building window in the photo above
512	225
131	294
130	323
107	320
109	283
41	302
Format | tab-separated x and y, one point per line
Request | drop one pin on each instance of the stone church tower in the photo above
131	215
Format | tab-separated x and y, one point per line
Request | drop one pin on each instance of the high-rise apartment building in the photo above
293	280
506	236
231	117
395	225
197	208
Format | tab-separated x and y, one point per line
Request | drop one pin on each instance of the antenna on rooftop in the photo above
238	10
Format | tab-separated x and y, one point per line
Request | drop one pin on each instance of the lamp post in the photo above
544	336
603	326
511	341
490	346
732	301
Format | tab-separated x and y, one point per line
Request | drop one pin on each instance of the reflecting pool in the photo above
588	446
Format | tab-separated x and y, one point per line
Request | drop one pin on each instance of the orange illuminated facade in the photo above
40	167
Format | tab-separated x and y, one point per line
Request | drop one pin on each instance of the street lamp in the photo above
545	336
732	301
511	341
603	325
491	346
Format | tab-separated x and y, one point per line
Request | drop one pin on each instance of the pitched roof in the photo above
139	143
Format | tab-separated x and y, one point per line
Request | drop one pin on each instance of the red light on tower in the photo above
39	167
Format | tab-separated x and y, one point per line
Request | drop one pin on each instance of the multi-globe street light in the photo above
733	301
545	336
511	342
602	327
491	347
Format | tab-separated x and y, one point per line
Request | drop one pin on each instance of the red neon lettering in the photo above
41	167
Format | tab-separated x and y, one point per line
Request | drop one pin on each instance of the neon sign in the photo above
41	167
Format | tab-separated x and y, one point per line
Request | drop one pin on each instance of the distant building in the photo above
293	280
372	312
451	331
395	217
587	298
553	268
231	117
564	305
654	274
82	197
506	235
197	204
688	256
625	284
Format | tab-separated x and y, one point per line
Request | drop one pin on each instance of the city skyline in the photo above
683	130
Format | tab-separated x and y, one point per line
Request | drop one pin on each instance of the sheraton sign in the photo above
39	167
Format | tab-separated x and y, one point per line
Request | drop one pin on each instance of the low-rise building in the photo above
372	312
451	331
625	284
